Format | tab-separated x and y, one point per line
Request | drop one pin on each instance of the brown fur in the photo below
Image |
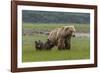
61	37
39	45
61	44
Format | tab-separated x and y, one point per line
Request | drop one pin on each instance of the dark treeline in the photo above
54	17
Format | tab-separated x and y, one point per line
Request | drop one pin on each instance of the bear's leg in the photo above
68	43
61	44
60	48
69	46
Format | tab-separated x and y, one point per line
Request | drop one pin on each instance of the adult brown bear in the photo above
61	37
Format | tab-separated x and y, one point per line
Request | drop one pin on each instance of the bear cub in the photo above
39	45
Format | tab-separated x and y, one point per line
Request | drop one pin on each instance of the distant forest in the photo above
30	16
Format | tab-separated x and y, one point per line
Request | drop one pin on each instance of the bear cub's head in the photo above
39	45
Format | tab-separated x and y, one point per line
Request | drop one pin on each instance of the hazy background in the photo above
30	16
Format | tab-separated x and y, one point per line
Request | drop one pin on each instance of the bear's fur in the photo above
66	31
68	42
61	37
61	44
39	45
48	45
53	36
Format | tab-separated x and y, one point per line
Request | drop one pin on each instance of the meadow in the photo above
80	46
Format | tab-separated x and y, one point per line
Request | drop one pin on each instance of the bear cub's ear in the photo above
36	42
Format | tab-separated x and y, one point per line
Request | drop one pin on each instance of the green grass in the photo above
80	47
36	26
79	50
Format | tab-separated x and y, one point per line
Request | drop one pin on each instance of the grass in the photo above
35	26
80	48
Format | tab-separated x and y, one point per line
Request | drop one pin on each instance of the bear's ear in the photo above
36	42
62	27
73	29
39	41
67	28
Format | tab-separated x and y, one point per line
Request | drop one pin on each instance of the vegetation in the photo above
80	48
36	21
55	17
50	26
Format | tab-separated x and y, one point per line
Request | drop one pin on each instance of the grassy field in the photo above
36	26
80	48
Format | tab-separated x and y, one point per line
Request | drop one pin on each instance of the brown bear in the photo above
68	31
61	37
